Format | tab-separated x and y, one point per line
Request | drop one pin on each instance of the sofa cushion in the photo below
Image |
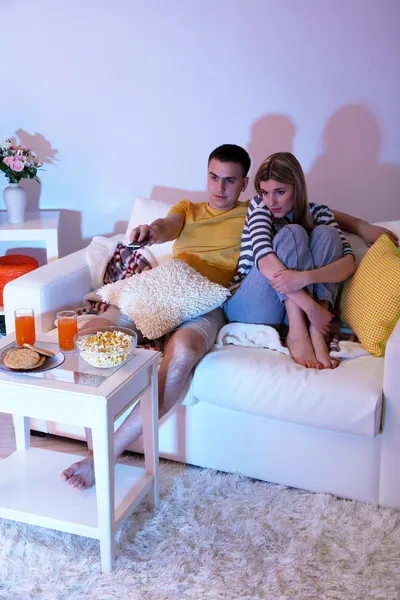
370	301
162	298
266	383
144	212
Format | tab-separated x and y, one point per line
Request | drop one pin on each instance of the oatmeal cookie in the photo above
22	358
43	351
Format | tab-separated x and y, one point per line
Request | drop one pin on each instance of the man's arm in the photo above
160	230
369	233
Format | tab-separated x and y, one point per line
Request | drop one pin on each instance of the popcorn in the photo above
105	349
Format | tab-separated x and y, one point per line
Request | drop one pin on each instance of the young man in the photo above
208	236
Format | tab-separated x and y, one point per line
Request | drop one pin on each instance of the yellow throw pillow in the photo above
370	301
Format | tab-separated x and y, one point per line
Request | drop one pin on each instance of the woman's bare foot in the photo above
320	317
302	350
321	349
80	475
298	339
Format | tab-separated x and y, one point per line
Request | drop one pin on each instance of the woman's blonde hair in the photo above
285	168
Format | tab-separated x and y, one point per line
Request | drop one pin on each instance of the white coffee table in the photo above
31	489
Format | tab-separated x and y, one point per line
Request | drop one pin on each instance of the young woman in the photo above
293	257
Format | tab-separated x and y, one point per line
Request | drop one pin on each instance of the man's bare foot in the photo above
320	317
80	475
302	350
321	349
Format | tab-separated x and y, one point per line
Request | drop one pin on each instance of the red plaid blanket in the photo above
125	263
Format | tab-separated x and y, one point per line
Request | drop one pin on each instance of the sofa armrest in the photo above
389	494
59	285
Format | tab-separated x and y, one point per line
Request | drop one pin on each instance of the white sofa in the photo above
255	411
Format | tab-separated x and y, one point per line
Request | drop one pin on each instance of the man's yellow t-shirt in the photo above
210	239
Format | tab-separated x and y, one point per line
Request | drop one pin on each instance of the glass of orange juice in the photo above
67	327
25	326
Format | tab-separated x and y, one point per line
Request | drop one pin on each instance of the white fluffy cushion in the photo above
164	297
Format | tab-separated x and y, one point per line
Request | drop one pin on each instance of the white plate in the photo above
51	362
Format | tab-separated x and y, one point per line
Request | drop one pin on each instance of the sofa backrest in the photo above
145	210
359	246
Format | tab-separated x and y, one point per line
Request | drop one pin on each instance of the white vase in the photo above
15	200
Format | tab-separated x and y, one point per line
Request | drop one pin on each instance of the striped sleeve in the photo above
246	252
259	221
254	227
322	215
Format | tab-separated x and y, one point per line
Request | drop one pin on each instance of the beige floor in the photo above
51	442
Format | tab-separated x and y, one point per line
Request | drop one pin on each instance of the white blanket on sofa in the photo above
264	336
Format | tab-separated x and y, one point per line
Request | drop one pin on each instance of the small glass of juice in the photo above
67	326
25	326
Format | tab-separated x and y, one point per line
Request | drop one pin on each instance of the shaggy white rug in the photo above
220	537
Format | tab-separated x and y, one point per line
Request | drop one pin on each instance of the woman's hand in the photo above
144	232
370	233
287	281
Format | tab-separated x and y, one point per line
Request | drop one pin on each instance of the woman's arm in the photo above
290	281
335	272
270	266
369	233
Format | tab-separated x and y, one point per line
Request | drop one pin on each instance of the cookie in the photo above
42	360
21	358
43	351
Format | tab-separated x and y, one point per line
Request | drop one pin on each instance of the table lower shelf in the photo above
31	491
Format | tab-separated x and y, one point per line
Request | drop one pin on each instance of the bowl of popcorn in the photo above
105	347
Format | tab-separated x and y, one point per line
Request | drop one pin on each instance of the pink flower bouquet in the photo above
18	162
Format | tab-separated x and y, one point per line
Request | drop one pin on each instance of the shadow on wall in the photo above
174	195
70	228
270	133
70	220
348	176
47	156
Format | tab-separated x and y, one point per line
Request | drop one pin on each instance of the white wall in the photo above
128	98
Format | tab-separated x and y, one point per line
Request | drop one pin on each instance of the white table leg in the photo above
149	411
52	246
22	432
103	448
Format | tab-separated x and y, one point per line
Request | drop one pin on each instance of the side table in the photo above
39	226
31	489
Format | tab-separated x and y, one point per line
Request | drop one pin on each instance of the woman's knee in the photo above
292	233
291	246
326	244
326	234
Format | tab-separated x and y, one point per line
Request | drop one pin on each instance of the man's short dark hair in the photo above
233	154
